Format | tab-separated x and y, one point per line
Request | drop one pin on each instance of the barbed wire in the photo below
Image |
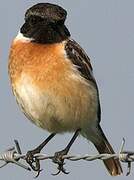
15	156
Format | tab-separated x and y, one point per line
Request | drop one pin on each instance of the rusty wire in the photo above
15	156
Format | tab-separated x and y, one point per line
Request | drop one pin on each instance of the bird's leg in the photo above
33	161
58	157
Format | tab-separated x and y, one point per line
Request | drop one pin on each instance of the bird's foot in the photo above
33	161
58	159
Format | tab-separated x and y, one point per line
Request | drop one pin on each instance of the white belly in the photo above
54	112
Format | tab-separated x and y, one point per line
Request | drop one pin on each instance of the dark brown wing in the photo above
82	62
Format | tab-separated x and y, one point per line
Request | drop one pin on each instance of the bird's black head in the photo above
44	23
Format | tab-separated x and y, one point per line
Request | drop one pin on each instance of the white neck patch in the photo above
22	38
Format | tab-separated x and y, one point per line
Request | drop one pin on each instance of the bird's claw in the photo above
33	162
61	169
58	159
38	173
128	169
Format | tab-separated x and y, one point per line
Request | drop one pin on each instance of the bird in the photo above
53	82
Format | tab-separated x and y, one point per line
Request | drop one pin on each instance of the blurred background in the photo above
105	29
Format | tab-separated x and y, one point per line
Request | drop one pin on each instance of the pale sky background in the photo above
105	29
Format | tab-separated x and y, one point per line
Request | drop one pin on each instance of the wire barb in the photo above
14	155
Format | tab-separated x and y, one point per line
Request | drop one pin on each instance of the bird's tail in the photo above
101	143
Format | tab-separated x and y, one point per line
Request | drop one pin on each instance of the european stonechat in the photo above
52	80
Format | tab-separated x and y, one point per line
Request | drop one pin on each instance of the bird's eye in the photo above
32	20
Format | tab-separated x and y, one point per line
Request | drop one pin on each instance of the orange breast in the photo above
50	91
46	64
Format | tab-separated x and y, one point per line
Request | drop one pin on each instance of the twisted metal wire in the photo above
14	155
